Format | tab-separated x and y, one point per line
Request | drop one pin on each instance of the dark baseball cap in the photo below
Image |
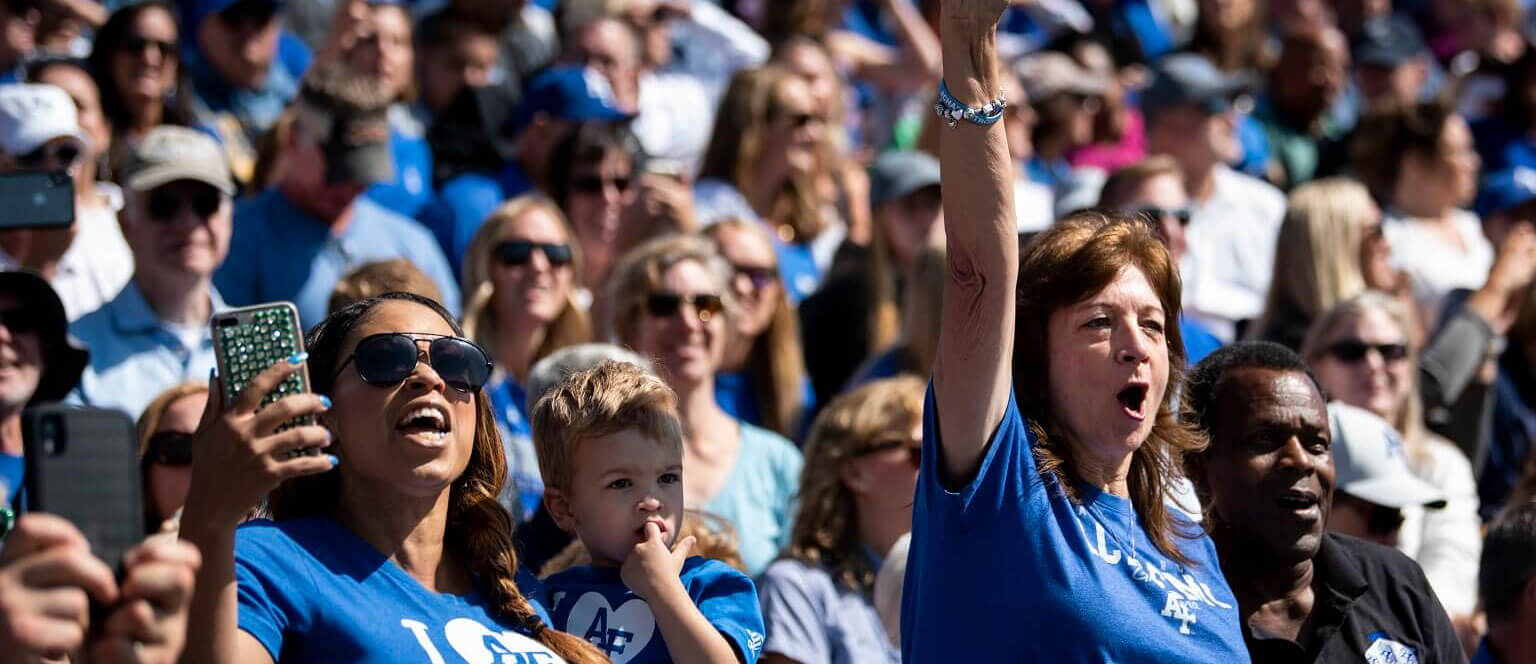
577	94
355	141
63	358
1388	41
896	174
1505	190
1188	79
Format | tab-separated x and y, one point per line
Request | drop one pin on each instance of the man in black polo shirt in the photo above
1507	581
1266	485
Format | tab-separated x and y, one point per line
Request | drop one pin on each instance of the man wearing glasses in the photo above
86	262
154	334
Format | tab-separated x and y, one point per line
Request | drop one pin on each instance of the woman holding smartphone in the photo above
389	545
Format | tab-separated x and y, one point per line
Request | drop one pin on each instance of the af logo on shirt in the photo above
621	633
1386	651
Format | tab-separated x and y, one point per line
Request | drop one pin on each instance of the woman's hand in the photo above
148	625
241	456
48	578
651	567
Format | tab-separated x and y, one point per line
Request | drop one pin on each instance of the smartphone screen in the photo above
34	199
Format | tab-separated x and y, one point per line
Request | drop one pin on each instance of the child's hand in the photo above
650	567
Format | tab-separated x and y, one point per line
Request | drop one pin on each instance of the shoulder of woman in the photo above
791	572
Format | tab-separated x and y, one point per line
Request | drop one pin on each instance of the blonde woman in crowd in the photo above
519	284
165	452
855	503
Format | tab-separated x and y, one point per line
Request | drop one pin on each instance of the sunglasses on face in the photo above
169	448
166	204
63	155
386	360
1352	351
20	320
665	304
760	277
514	253
799	120
595	184
137	44
1158	213
914	451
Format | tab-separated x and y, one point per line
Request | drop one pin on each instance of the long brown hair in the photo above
737	145
776	363
1065	264
826	530
570	326
479	532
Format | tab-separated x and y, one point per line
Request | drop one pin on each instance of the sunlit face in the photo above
1268	474
21	360
168	484
241	42
1194	137
813	65
685	345
81	89
1108	367
372	424
908	221
185	242
619	483
1166	192
755	284
1375	382
537	290
595	206
610	48
145	66
794	125
387	52
305	176
1459	159
1226	15
884	476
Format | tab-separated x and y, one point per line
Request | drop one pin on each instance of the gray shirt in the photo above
810	619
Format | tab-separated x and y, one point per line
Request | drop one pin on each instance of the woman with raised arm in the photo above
1042	525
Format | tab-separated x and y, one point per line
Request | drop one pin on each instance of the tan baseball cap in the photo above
169	153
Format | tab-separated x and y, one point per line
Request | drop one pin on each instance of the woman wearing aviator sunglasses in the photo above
1365	355
165	452
387	546
670	308
520	281
855	502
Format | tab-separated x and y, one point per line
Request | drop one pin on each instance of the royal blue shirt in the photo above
279	252
737	396
412	186
525	486
457	210
1008	568
312	591
593	603
1198	341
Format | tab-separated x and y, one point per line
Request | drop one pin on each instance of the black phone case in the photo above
82	464
30	199
251	339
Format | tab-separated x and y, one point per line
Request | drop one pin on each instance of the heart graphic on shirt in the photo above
620	633
479	645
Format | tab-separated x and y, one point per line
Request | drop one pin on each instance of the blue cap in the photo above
577	94
1185	79
194	12
1506	189
1388	41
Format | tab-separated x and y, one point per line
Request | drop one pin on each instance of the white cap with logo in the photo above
1370	462
33	114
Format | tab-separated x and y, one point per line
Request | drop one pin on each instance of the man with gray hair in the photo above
1504	580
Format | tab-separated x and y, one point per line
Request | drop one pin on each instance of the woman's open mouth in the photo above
1133	401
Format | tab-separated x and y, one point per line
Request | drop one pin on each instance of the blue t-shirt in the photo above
13	470
457	210
592	602
279	252
411	187
1009	567
312	591
509	404
1198	341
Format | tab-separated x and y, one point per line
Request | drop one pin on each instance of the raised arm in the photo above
972	372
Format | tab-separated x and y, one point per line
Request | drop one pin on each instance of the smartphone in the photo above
82	464
249	340
34	199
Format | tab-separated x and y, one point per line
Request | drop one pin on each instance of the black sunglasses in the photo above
165	204
798	120
137	44
914	452
388	359
1155	213
520	252
594	184
761	277
1351	351
665	304
64	155
20	320
169	448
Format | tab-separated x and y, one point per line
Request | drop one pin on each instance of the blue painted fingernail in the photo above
325	401
297	358
213	373
335	461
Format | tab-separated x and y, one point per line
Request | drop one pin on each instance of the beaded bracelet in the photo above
953	111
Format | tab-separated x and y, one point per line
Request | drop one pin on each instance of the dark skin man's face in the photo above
1267	479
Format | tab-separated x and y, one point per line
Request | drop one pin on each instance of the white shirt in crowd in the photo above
1231	256
98	262
1446	542
1436	268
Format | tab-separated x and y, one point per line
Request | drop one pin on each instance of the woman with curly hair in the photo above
855	502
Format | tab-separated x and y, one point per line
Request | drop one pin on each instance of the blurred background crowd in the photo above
743	195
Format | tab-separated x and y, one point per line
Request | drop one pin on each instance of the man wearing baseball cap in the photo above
1066	97
1372	481
87	262
1192	110
299	237
177	217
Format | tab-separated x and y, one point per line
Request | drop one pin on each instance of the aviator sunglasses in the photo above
1352	351
387	359
520	252
665	304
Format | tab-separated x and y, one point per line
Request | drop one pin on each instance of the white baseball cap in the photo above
32	114
1370	463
